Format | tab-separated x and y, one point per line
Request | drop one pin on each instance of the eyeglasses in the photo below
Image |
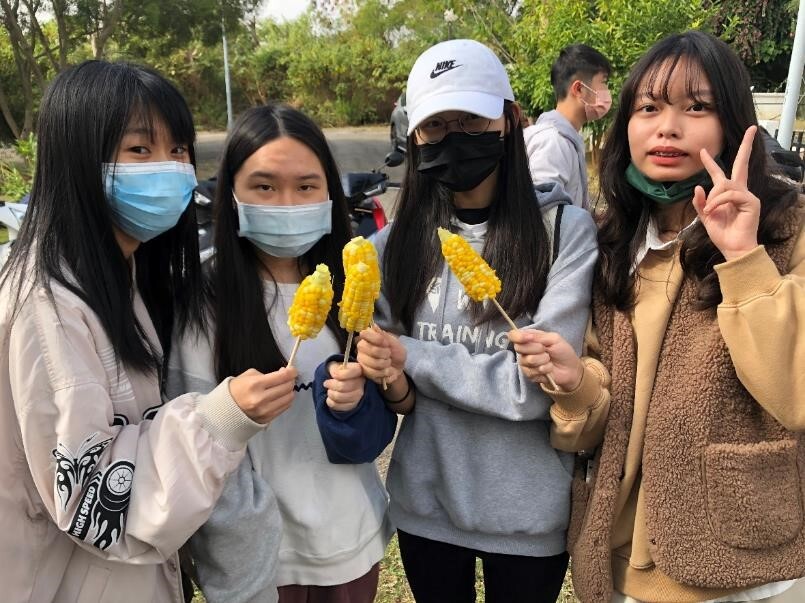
435	128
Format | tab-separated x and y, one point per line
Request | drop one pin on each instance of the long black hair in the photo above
243	337
67	234
516	244
624	222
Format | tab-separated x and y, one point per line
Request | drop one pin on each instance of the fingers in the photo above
282	376
716	173
535	360
699	201
538	374
380	350
351	392
520	335
523	338
740	169
341	373
346	380
739	200
375	356
374	335
271	405
343	394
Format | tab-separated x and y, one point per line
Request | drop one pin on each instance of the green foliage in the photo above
346	62
16	176
346	65
758	30
762	33
620	29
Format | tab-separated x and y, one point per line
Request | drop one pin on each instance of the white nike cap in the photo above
457	75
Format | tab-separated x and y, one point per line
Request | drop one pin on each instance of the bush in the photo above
15	179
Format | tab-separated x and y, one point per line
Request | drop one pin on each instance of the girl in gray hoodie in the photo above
475	471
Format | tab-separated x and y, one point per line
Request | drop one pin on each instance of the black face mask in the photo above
461	161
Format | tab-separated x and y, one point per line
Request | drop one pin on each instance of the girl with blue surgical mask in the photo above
304	517
104	476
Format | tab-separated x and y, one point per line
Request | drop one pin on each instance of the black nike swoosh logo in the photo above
435	74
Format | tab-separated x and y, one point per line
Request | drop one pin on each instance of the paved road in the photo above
355	149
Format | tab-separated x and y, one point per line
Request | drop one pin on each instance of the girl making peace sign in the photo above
696	493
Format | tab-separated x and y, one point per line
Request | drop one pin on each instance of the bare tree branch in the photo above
18	41
500	46
60	14
35	27
109	21
8	115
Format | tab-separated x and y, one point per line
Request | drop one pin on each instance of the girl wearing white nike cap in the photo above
476	472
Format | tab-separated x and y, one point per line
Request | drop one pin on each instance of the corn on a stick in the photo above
357	304
311	304
476	276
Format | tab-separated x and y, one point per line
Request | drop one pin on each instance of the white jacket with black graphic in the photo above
101	480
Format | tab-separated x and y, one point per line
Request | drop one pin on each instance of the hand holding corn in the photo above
345	386
476	276
541	353
311	304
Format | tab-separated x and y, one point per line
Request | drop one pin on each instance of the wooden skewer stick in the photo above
503	312
294	351
513	326
349	347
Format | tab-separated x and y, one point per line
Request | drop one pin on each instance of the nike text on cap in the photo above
457	75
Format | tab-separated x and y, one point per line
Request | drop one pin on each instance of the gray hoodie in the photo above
473	465
556	152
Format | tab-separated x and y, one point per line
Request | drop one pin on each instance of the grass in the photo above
393	587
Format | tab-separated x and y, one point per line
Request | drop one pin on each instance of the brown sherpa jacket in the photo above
724	493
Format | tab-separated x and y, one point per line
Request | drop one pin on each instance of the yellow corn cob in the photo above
357	304
479	280
361	250
311	303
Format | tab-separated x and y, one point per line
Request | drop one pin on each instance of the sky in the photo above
283	10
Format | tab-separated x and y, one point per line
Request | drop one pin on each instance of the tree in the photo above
22	36
761	33
347	60
145	31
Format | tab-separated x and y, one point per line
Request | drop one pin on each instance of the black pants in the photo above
444	573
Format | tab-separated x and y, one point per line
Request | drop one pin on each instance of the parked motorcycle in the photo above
11	215
362	189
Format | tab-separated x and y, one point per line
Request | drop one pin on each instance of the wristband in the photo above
407	391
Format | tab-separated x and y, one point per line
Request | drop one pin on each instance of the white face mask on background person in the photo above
284	231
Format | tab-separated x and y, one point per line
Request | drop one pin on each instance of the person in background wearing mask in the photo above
103	478
304	518
554	143
477	470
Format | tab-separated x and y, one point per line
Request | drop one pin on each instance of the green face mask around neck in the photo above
667	194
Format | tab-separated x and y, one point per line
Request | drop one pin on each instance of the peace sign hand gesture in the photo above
730	213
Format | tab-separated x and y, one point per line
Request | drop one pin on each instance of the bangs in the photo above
657	80
157	104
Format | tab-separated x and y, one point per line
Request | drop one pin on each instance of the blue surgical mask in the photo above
286	231
148	199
